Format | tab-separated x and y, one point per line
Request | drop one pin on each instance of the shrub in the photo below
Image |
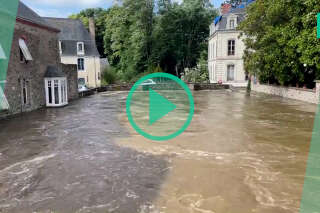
109	76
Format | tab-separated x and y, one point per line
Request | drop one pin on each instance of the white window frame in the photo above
234	72
83	67
234	47
230	24
213	46
62	91
24	48
25	86
234	18
60	47
80	52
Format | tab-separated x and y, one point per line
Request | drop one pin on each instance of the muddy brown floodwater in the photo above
240	154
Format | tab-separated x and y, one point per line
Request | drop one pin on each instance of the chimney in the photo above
92	29
225	8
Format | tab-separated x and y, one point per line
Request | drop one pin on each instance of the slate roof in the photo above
71	32
28	14
54	72
240	12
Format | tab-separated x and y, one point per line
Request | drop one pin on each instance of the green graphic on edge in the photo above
8	12
160	106
318	26
310	202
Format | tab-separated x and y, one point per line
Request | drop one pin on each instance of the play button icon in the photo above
160	106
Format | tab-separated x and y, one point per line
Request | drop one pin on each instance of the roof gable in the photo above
29	15
71	32
71	29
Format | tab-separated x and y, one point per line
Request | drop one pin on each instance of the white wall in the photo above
91	72
219	60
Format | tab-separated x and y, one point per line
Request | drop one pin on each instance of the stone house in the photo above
35	76
226	49
77	46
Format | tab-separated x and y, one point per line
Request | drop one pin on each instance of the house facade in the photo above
78	47
226	49
35	56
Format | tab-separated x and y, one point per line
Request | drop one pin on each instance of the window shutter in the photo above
25	50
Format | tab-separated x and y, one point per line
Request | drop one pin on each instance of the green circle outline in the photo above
147	135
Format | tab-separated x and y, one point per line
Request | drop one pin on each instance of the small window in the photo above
99	76
21	56
25	92
80	48
60	47
231	47
24	51
81	81
230	73
49	92
212	51
232	24
80	64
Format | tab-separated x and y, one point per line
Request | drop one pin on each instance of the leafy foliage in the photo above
199	73
145	36
281	44
141	35
109	76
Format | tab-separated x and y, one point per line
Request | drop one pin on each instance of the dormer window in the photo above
25	55
80	48
232	24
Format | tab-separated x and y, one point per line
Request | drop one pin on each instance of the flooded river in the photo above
240	154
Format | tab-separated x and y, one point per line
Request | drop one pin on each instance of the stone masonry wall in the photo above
72	78
307	95
43	46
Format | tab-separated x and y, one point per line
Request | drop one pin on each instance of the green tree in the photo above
181	34
142	34
281	44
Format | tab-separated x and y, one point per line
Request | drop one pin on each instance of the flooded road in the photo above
240	154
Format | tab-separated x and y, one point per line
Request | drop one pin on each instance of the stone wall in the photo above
307	95
72	78
203	86
43	46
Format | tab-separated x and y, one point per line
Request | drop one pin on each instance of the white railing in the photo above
4	105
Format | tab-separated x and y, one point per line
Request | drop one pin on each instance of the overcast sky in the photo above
64	8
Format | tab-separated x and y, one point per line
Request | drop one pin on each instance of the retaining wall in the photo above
306	95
